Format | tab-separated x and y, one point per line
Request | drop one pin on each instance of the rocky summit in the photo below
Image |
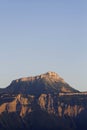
43	102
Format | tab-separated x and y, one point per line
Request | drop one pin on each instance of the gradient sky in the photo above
37	36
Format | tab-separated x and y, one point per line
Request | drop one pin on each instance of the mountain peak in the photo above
52	76
50	73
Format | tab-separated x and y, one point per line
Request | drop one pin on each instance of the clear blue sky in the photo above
37	36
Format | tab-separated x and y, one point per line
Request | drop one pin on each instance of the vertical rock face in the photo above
24	105
42	102
61	108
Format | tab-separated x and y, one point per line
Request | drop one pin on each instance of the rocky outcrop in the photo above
53	104
26	108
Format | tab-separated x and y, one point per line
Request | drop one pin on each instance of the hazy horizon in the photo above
41	36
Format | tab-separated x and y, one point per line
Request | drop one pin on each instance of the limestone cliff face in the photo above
58	107
53	104
20	104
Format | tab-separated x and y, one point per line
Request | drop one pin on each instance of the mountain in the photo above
49	82
43	102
